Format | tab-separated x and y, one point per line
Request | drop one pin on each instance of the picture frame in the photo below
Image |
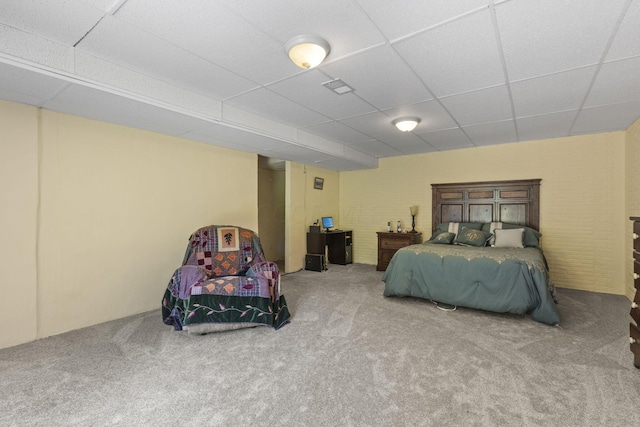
318	183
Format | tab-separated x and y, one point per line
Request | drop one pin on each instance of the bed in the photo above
484	252
224	283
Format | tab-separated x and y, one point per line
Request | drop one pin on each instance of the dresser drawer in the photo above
396	243
636	237
635	349
634	333
385	257
389	243
635	313
634	338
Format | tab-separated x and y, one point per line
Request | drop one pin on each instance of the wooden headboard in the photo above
516	202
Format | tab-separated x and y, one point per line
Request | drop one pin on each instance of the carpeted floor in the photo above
350	357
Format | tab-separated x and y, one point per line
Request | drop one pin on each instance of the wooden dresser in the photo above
634	326
389	243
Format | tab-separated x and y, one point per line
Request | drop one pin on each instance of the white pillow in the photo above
493	227
511	238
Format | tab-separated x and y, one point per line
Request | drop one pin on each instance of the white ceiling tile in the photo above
545	126
214	33
492	133
307	89
342	23
451	139
547	36
215	70
226	136
104	5
294	152
392	84
432	115
96	104
553	93
61	21
617	82
244	119
279	108
376	148
98	70
625	44
338	132
358	156
398	19
606	118
457	57
412	144
121	43
28	85
321	144
339	164
29	47
482	106
376	125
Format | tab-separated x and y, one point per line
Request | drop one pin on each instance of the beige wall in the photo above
18	222
295	217
582	200
271	204
95	216
305	205
632	198
116	208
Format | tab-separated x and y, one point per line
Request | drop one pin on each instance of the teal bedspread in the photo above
503	280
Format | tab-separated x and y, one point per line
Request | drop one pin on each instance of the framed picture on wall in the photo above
318	183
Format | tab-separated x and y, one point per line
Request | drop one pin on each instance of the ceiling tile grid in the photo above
476	72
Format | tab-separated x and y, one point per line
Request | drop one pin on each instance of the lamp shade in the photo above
406	124
307	51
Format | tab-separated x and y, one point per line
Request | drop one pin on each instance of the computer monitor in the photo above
327	223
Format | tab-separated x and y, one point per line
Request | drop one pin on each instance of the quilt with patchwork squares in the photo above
224	280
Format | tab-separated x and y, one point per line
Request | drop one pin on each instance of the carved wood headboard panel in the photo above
516	202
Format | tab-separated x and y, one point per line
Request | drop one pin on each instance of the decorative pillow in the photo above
454	227
472	237
531	236
493	226
442	237
512	238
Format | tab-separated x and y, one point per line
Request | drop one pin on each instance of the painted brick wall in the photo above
582	200
632	158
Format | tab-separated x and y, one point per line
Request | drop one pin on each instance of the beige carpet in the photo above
350	357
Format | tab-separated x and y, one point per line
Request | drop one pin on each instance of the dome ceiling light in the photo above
307	51
406	124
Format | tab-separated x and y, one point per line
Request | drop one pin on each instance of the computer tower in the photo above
314	262
348	254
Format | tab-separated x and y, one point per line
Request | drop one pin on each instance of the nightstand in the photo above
389	243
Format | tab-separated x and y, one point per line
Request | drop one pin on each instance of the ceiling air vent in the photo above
338	86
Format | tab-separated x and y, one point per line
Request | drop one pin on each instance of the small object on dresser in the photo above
399	227
414	211
389	227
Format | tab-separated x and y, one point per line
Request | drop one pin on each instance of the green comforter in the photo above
495	279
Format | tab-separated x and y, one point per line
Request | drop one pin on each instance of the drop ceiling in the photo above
476	72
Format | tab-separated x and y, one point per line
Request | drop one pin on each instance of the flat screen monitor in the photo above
327	222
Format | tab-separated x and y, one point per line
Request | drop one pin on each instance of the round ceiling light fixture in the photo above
406	124
307	51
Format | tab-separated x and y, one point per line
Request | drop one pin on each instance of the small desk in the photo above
338	243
